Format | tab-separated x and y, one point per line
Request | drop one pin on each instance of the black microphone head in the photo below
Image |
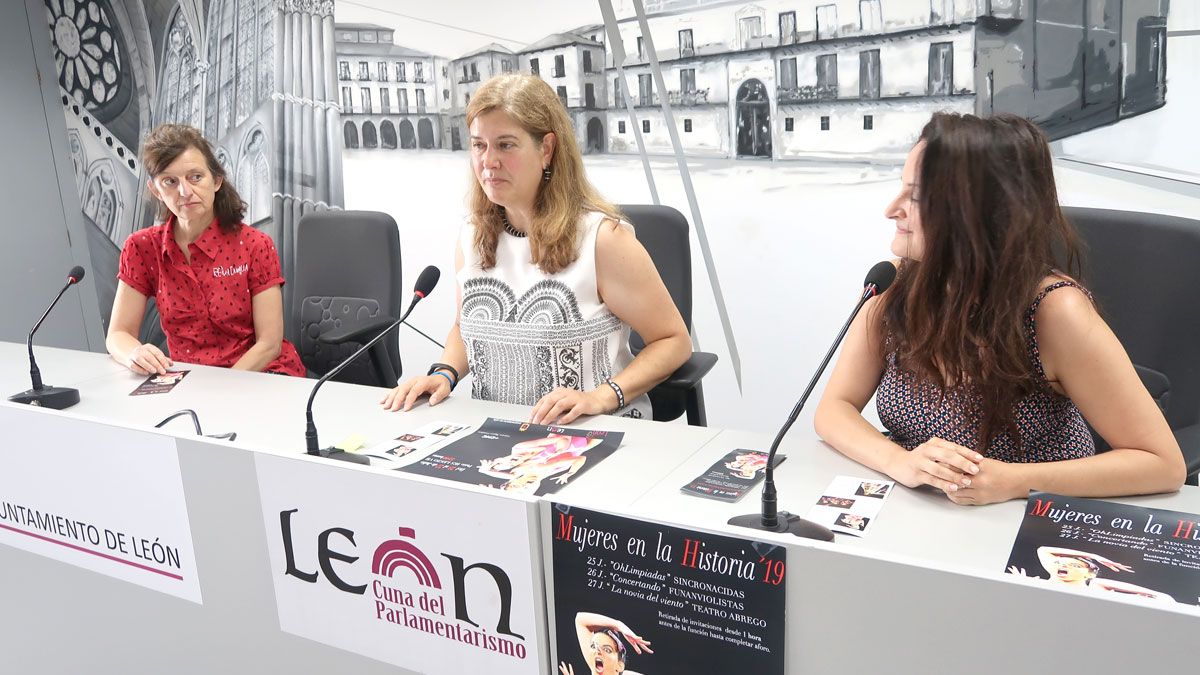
428	279
76	274
880	276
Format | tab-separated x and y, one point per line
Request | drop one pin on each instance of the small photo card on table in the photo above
850	505
160	384
412	444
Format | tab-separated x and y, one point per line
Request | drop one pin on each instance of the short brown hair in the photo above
166	143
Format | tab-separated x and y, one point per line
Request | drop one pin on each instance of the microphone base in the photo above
784	523
55	398
342	455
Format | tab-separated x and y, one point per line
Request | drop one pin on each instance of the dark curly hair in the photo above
166	143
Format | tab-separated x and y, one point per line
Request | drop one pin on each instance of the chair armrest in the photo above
1156	383
361	333
1189	443
690	373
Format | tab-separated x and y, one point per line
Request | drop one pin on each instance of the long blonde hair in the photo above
560	201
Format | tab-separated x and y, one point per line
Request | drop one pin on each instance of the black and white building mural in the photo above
254	75
789	79
792	118
392	97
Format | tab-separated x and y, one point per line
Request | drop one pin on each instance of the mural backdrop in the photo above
777	127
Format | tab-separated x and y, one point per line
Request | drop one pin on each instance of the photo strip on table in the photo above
850	505
405	447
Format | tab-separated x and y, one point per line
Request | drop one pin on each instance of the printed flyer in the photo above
1151	555
732	476
518	457
635	597
160	384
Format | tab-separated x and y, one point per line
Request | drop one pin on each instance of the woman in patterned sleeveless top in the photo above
983	358
550	278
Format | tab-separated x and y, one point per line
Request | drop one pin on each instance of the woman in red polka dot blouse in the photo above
215	280
984	358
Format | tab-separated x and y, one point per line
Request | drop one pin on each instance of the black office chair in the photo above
664	233
106	259
1144	270
346	289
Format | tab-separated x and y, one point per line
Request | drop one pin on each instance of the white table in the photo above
236	629
924	591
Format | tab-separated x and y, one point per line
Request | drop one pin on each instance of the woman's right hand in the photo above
944	465
406	393
146	359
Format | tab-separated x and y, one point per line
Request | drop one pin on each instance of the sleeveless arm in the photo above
1083	357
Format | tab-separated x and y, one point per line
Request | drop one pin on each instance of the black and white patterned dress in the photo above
528	332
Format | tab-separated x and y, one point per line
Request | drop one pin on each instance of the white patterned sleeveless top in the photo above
528	332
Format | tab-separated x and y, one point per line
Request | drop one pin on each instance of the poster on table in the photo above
519	457
637	597
1143	554
438	579
99	497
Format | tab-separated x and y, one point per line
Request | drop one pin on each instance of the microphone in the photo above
879	278
57	398
424	286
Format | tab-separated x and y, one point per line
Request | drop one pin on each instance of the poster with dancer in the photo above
732	476
633	597
1089	545
520	457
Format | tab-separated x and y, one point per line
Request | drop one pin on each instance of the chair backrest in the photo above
664	233
1144	270
347	271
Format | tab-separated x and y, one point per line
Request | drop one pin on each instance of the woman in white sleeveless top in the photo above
550	278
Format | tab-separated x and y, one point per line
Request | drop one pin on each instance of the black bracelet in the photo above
620	394
446	366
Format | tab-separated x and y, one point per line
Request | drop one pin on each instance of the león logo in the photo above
395	600
396	553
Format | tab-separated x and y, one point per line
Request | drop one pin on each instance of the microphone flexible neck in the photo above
769	511
310	433
35	374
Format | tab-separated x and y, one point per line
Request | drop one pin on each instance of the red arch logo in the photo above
394	554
